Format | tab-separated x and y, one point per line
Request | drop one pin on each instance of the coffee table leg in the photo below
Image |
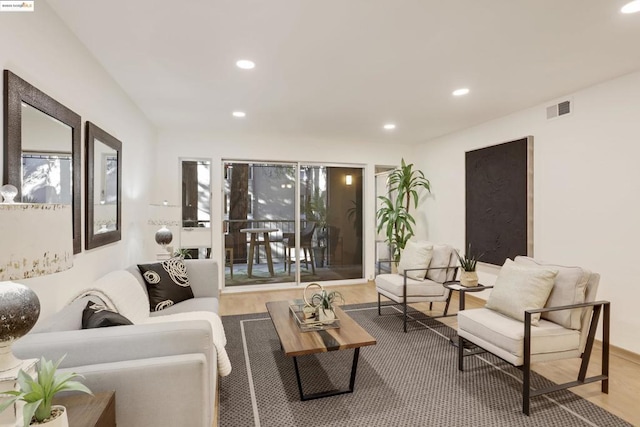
352	380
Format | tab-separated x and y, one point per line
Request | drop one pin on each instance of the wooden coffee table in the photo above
295	343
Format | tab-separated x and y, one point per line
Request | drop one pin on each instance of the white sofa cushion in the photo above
519	288
416	254
486	326
121	288
440	258
569	288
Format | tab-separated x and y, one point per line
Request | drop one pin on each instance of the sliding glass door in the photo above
291	223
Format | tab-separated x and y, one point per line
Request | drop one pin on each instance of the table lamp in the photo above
164	215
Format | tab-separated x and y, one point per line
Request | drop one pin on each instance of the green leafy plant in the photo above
325	300
394	217
468	262
182	253
38	394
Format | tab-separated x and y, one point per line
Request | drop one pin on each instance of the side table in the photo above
85	410
454	285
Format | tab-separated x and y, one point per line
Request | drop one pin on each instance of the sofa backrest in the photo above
202	273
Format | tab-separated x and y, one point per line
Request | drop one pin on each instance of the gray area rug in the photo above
407	379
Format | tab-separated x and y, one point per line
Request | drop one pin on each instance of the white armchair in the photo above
423	268
520	330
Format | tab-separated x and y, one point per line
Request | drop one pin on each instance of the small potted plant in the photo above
468	274
38	394
323	303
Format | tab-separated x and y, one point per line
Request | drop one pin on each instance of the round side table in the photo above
455	285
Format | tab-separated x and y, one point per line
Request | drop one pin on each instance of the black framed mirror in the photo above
42	149
103	200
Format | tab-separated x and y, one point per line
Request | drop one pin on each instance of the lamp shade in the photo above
36	241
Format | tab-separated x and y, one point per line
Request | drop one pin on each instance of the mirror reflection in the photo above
105	180
47	169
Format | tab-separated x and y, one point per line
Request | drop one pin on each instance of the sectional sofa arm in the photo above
142	387
119	343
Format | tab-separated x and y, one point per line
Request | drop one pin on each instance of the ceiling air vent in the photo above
558	110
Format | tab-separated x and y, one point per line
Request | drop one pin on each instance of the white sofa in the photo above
164	367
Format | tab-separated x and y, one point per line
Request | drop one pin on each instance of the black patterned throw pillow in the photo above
167	283
98	316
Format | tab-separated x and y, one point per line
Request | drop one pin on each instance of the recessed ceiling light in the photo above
460	92
631	7
239	114
389	126
246	64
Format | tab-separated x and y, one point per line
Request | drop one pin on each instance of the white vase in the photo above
60	421
468	278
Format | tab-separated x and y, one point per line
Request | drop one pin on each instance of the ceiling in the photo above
343	68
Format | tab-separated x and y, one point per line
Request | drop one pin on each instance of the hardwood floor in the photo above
624	371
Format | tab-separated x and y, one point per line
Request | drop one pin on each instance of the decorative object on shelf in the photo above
323	301
38	394
394	217
9	193
468	274
164	215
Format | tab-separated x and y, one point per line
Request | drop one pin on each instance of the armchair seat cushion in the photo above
505	336
392	286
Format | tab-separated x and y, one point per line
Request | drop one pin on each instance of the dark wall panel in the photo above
498	198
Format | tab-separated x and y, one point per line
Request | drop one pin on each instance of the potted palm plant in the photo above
38	394
394	217
468	274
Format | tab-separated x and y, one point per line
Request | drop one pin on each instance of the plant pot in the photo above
60	421
326	314
468	278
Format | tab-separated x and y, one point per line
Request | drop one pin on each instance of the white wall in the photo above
39	48
173	145
586	190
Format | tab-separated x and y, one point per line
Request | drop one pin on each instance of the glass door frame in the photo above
297	165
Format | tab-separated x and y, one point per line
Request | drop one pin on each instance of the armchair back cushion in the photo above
569	288
519	288
443	256
415	255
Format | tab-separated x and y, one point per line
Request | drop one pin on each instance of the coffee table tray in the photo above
309	325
